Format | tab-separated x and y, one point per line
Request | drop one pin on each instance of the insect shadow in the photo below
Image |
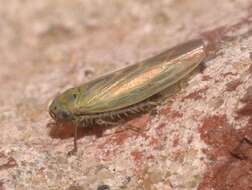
66	130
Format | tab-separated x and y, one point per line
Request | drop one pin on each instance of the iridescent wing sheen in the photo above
140	81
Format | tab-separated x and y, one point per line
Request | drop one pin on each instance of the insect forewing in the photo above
140	81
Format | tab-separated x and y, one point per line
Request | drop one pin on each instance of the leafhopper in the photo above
128	90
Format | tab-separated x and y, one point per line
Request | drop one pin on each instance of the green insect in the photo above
126	91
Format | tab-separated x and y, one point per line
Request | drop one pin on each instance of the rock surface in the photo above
202	140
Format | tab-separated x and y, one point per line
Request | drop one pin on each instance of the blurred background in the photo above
48	46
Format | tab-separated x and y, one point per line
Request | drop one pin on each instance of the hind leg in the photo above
106	123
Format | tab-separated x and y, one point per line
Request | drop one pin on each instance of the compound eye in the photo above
72	97
64	115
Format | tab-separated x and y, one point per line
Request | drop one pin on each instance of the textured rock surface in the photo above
202	140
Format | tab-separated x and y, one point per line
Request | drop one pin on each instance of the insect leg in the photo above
74	150
103	122
247	140
133	128
153	103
